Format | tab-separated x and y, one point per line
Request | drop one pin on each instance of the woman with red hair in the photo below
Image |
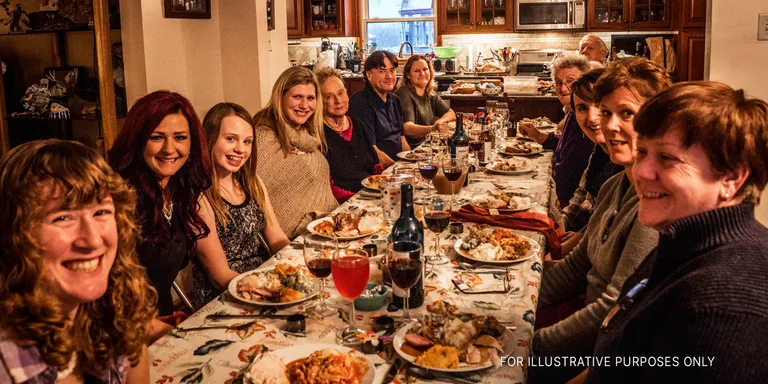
161	152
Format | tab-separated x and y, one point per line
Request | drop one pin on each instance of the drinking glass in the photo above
437	222
403	261
390	200
475	145
502	115
350	271
428	170
453	167
318	255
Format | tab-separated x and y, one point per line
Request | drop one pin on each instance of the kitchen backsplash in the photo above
307	49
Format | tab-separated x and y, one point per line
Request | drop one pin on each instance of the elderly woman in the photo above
350	155
236	207
573	149
701	165
290	141
614	244
424	110
161	152
76	304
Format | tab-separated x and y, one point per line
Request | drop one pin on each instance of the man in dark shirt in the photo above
378	110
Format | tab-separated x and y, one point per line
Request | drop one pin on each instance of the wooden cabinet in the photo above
294	10
474	16
623	15
690	62
694	14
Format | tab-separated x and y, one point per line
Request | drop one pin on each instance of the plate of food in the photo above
511	166
520	148
414	155
283	285
494	245
542	123
453	343
504	201
374	182
311	363
346	226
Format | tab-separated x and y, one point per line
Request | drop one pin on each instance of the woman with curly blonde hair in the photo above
76	304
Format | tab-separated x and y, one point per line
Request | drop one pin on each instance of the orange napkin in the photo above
518	220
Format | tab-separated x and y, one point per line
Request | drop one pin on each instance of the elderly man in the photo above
378	110
573	148
593	48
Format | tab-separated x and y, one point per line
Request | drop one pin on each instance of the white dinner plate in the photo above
367	184
503	210
419	156
536	150
311	229
233	291
531	252
531	168
507	340
301	351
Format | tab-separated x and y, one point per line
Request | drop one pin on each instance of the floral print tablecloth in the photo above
221	355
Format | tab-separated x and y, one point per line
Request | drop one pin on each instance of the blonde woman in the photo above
236	207
76	304
291	142
423	109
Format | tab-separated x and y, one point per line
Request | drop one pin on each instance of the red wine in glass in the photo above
320	268
475	145
428	171
452	174
437	221
405	272
350	274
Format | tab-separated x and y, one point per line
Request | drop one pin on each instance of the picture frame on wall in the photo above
187	9
270	15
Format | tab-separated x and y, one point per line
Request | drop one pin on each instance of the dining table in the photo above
217	349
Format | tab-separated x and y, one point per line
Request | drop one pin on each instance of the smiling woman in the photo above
68	264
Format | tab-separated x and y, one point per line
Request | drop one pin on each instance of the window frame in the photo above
365	19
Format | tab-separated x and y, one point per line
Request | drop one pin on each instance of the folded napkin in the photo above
518	220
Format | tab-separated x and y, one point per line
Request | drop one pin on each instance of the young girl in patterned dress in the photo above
236	207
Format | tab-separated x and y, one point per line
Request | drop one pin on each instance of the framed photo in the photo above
187	9
270	15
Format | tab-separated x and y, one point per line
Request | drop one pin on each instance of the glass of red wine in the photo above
405	267
437	222
318	255
475	144
350	269
453	167
428	170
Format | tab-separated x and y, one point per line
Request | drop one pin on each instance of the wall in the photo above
736	57
228	57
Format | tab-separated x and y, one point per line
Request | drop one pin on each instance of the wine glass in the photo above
318	255
350	271
404	265
453	167
428	170
475	144
437	222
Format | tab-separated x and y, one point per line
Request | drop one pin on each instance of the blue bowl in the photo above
371	303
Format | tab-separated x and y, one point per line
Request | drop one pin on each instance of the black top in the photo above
382	121
164	260
350	161
600	169
706	297
420	110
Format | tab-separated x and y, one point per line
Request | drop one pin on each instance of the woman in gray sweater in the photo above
614	243
423	109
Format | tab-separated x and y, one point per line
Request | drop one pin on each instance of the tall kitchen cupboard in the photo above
474	16
626	15
322	18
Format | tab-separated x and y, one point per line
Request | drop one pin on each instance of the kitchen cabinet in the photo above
690	61
474	16
624	15
694	14
295	12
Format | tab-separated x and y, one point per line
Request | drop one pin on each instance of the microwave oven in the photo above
535	15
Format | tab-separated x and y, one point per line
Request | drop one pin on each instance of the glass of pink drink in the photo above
350	269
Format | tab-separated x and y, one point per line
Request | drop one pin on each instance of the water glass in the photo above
390	200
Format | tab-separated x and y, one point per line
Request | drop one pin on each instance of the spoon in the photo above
433	375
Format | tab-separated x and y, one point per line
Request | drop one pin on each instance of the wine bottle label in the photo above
462	153
487	152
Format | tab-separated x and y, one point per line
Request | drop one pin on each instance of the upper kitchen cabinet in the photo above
694	14
479	16
624	15
294	9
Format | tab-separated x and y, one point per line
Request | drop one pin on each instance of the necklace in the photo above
70	368
337	127
167	206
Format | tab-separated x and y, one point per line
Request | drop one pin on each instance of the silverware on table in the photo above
436	375
253	316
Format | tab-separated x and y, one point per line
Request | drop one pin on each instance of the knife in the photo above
392	372
254	316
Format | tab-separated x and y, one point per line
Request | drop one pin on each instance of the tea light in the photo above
457	228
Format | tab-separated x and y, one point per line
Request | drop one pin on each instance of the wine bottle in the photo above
459	141
408	228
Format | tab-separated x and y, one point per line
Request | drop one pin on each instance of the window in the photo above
388	23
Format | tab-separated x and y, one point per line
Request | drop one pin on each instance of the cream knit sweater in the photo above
299	184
